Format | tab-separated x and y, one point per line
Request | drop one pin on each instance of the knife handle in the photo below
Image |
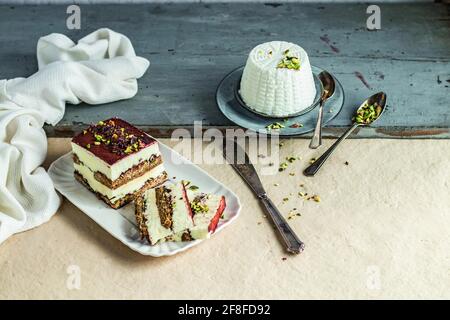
290	239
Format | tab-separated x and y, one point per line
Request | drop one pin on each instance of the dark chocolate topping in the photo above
113	139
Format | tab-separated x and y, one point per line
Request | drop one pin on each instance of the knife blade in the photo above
233	153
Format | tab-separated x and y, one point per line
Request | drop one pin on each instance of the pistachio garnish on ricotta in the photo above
289	62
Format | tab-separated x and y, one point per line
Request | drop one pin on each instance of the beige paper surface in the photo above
381	230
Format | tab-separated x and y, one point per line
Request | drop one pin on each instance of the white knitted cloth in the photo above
101	68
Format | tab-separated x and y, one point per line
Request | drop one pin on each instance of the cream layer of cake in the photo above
115	194
114	171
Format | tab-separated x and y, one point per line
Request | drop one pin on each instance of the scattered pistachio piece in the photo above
316	198
292	174
276	184
285	199
292	214
312	160
291	159
274	126
193	188
283	166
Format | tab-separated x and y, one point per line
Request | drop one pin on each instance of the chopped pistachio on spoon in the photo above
367	113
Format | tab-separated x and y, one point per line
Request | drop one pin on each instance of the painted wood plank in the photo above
191	47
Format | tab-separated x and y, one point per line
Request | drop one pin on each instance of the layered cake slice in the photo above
171	213
163	212
117	161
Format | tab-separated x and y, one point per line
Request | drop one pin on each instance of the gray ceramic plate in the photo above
232	107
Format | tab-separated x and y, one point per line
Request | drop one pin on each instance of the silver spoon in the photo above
328	86
377	100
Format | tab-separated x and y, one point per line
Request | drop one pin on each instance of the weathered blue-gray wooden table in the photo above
192	46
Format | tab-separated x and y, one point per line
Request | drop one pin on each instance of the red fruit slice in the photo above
215	220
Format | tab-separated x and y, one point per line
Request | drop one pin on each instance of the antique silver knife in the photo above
247	171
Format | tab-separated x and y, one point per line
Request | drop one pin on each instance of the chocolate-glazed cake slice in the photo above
116	161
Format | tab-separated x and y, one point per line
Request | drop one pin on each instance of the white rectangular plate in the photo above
121	223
